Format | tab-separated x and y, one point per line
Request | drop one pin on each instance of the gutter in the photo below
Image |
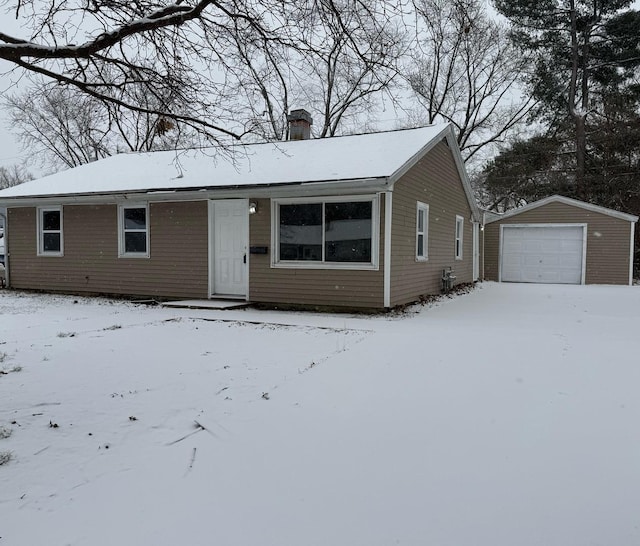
316	188
632	249
482	226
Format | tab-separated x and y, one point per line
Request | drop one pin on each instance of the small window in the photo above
459	234
133	222
50	242
422	232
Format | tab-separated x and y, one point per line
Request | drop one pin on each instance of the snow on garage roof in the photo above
356	157
566	201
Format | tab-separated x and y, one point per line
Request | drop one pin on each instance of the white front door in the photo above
229	220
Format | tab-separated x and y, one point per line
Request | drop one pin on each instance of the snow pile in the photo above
505	416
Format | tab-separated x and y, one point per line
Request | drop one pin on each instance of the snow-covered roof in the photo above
565	201
348	158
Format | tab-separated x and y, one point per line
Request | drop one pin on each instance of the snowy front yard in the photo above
508	416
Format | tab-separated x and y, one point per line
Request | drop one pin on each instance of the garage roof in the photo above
565	201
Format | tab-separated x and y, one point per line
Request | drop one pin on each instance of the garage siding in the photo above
435	181
177	266
608	241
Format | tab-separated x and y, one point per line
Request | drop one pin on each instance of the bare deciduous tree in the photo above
62	127
353	56
179	50
13	175
467	72
346	56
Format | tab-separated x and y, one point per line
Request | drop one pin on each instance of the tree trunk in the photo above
579	63
581	147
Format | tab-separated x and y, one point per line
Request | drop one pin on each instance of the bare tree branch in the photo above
467	72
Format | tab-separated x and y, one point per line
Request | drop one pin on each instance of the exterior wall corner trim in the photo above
388	208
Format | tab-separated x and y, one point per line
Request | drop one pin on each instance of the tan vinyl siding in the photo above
491	244
177	266
608	241
320	287
435	181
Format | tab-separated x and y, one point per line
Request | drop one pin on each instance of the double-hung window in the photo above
459	234
340	233
50	241
133	227
422	232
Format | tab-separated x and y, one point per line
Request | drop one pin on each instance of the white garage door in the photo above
542	254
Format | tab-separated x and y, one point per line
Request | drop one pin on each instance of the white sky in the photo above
10	150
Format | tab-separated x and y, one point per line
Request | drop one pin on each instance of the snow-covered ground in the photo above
507	416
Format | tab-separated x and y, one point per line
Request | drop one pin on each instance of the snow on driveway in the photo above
505	416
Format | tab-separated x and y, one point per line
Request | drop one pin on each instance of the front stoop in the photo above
207	304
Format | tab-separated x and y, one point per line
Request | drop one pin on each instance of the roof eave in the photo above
317	187
567	201
446	133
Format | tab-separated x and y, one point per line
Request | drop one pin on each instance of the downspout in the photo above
6	250
632	252
484	220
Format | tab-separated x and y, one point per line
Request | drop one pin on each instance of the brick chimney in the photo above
300	123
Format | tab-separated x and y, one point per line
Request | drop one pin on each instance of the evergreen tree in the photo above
587	54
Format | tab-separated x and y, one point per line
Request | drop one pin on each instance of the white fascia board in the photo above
411	162
446	133
340	187
566	201
462	170
490	216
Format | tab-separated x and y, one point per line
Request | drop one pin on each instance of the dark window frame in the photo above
324	263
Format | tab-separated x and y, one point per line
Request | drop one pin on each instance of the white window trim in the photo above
459	222
375	235
40	232
422	207
121	230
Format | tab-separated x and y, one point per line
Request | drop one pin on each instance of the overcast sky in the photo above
10	150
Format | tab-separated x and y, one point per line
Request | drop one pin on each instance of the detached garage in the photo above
562	241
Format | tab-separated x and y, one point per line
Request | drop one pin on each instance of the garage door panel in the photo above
513	246
571	246
542	254
547	276
569	259
532	246
548	261
529	260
